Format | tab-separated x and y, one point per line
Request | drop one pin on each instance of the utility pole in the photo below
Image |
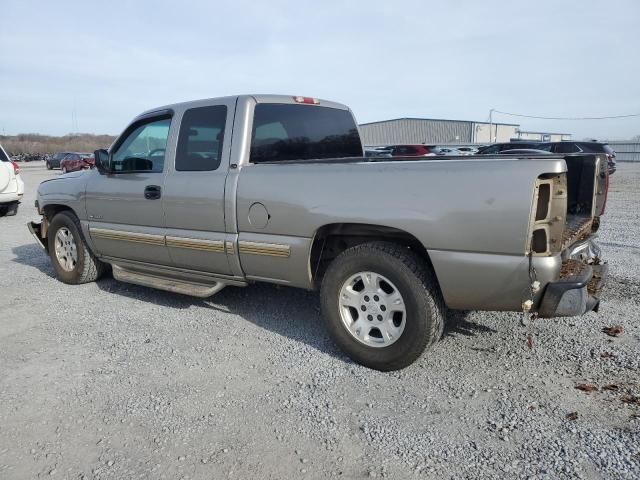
491	126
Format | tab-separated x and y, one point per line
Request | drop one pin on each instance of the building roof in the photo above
439	120
544	133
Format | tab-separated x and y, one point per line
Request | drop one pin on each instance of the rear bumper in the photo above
576	293
36	231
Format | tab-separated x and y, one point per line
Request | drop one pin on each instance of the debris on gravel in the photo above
587	387
613	331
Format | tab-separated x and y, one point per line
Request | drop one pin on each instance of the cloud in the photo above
107	62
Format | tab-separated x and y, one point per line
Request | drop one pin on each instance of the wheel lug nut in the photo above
363	308
369	317
376	298
366	298
383	308
379	318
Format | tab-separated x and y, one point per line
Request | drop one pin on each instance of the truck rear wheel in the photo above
72	260
382	305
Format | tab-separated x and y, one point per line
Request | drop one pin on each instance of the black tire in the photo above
3	210
425	309
87	268
12	209
49	167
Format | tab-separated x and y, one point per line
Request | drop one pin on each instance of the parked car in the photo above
571	146
498	147
445	151
377	152
275	189
55	160
525	151
467	150
412	150
11	185
73	162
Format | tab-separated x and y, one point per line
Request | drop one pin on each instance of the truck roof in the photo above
258	98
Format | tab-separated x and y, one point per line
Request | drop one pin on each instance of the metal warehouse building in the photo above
439	132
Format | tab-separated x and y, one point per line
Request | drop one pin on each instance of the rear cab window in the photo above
287	132
3	156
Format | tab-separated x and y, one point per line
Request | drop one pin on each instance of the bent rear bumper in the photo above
575	294
36	231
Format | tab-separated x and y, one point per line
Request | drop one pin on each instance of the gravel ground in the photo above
111	381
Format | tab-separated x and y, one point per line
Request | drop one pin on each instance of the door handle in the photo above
152	192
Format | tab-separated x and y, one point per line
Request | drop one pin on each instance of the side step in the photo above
168	284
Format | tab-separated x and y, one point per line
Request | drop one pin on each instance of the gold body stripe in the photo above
269	249
134	237
218	246
196	244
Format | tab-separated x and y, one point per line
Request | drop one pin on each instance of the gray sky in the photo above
108	61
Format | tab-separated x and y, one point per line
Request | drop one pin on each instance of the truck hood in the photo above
65	189
65	176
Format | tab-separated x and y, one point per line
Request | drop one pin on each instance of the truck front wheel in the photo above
382	305
72	260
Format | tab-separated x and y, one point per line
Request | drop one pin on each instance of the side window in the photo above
143	150
567	148
492	149
201	139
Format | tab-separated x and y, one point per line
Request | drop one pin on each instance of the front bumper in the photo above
577	291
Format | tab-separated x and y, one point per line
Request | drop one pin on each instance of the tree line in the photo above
34	143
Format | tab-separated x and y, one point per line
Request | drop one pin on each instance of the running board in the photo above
168	284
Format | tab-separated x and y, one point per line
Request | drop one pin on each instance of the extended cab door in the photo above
194	189
124	208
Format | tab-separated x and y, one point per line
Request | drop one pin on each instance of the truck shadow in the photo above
458	324
289	312
32	255
286	311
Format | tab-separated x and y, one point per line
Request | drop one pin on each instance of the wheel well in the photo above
333	239
51	211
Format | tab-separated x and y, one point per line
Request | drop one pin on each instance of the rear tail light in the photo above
16	167
307	100
548	215
606	188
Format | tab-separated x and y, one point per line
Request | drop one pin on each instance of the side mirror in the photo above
102	160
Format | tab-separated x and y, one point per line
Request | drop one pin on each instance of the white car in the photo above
467	150
11	185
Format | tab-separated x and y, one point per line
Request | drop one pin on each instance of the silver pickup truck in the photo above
197	196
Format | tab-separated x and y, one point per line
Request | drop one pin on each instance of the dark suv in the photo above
564	147
500	147
569	146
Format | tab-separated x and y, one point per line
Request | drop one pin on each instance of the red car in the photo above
73	162
412	150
